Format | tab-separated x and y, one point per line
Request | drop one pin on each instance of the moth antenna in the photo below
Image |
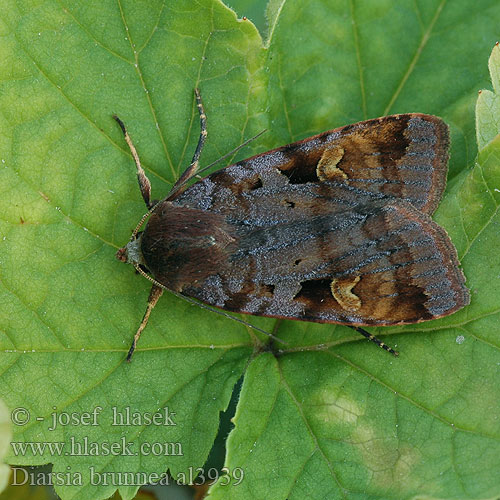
204	306
143	218
374	339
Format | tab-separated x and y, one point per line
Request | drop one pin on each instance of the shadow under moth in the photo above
335	228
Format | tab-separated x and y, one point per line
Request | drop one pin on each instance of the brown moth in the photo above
335	228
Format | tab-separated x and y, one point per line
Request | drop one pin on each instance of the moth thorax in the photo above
131	253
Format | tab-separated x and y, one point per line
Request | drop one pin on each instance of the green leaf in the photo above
5	437
332	417
488	104
360	427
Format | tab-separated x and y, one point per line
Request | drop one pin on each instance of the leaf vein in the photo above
411	401
358	59
311	433
91	36
153	31
416	57
145	87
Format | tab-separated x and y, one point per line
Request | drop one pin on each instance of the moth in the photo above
335	228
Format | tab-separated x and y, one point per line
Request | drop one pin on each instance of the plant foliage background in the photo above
333	417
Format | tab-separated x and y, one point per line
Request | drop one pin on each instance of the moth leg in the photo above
374	339
194	166
155	293
144	184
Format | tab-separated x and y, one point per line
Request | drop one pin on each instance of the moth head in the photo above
131	252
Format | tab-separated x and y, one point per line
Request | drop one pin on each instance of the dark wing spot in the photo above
256	185
314	290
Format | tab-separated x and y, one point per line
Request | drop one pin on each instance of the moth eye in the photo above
297	262
288	203
341	289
